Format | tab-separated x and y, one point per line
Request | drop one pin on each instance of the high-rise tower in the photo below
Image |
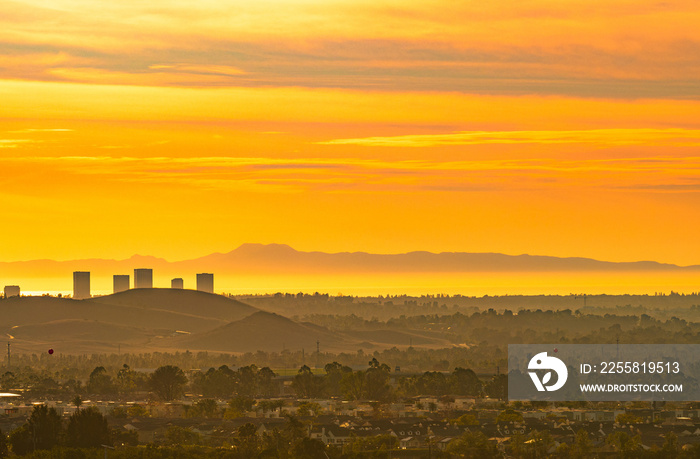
205	282
143	278
81	285
121	282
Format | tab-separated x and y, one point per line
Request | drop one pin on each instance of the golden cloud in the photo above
596	136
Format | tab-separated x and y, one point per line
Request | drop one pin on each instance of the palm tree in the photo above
278	404
77	401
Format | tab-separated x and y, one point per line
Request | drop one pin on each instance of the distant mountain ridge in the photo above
283	259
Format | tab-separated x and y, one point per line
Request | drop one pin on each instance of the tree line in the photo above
45	430
169	382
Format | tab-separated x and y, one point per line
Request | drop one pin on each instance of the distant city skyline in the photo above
257	268
143	279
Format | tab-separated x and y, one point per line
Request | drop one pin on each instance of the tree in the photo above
126	379
466	420
305	384
465	382
220	382
247	380
77	401
628	418
497	387
247	441
472	445
541	443
294	430
8	381
353	385
124	437
21	440
625	445
130	411
3	444
238	406
582	446
87	428
206	408
47	426
137	411
277	405
334	375
360	445
377	381
266	383
167	382
535	445
309	448
176	435
308	408
509	416
41	431
670	447
432	382
100	382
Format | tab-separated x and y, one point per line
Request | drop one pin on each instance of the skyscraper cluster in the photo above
143	278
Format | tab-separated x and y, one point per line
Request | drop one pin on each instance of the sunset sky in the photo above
177	129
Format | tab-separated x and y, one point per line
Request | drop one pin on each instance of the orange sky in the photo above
182	128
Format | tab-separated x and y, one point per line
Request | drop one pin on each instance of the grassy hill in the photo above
191	303
264	331
147	320
133	320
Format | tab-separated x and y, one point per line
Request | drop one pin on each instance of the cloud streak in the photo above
21	131
14	143
594	136
604	49
645	174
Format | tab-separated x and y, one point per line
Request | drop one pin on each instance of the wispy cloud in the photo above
599	48
14	143
20	131
648	174
596	136
198	69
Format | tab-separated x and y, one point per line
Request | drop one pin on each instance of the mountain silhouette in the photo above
282	259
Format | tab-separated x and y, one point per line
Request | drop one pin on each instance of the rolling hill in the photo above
264	331
148	320
135	319
191	303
